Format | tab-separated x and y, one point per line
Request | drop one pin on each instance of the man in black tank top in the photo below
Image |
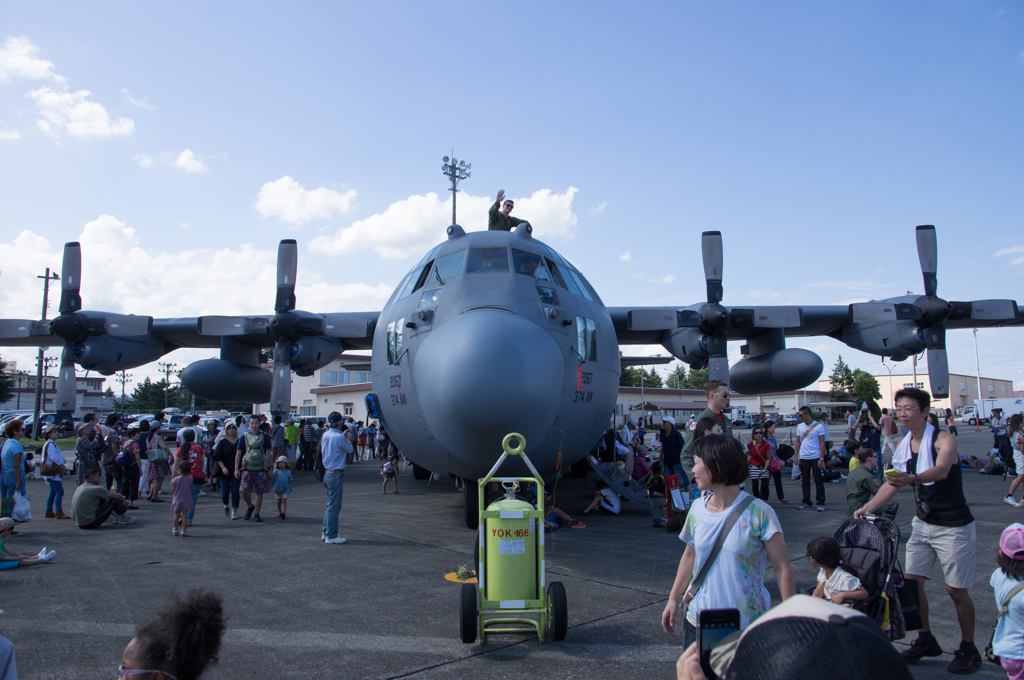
944	534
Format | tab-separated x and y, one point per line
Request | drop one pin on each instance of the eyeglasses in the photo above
756	432
122	671
906	410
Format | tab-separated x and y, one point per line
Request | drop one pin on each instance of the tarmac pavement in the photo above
378	606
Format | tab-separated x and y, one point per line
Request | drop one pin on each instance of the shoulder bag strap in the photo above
809	430
1006	603
698	580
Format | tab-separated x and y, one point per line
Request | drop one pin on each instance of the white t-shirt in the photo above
52	454
736	579
180	437
841	581
999	425
611	501
810	447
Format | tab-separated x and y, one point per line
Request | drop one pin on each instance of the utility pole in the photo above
167	368
20	375
41	360
456	171
977	365
123	379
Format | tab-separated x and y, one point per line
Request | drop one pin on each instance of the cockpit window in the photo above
555	276
547	295
450	265
487	260
586	339
530	264
395	329
583	289
416	279
429	298
565	278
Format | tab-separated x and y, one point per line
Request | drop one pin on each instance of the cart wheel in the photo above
468	621
472	504
420	473
559	621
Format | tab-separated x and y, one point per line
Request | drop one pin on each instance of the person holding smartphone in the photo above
736	577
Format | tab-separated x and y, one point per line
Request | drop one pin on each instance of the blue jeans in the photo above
7	484
689	634
56	494
230	486
197	486
677	469
334	480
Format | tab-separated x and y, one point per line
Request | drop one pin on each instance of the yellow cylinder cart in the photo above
512	596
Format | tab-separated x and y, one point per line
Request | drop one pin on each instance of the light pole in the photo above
890	383
41	361
456	171
20	374
123	379
977	366
166	367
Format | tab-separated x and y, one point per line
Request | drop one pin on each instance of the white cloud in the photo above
416	223
763	295
72	113
1022	57
626	257
144	160
287	199
638	276
667	278
599	208
189	162
1017	260
1009	251
9	135
144	104
18	60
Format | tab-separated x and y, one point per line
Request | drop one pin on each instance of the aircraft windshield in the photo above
530	264
450	265
429	298
487	260
547	295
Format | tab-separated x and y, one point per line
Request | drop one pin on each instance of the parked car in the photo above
787	420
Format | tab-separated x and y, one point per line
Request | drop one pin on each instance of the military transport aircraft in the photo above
494	332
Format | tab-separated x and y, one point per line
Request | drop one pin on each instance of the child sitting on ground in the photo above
390	471
181	497
1008	638
13	560
552	515
282	484
837	582
606	499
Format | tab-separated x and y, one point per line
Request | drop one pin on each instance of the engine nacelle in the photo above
897	339
686	344
220	380
108	355
779	371
311	353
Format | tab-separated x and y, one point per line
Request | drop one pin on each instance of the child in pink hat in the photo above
1008	583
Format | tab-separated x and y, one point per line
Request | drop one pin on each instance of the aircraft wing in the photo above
897	328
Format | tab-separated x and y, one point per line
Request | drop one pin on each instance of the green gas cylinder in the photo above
511	545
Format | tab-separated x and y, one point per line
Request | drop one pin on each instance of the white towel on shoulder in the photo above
925	460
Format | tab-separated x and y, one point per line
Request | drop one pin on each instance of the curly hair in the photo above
184	638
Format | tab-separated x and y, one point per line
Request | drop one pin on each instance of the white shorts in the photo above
1018	460
954	548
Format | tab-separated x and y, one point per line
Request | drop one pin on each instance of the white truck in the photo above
984	407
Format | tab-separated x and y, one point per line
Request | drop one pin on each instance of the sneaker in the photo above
384	491
53	553
257	518
202	493
174	532
227	511
234	514
804	506
323	537
919	649
821	508
280	515
248	512
42	553
396	491
126	519
963	663
183	534
283	515
1009	500
576	524
337	540
785	501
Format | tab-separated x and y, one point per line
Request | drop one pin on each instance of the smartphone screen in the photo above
713	626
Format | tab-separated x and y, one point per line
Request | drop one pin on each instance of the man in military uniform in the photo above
499	218
718	399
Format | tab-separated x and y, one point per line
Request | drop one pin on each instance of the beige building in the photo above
89	398
331	388
963	389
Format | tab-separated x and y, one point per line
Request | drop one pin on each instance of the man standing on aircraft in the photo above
718	399
499	218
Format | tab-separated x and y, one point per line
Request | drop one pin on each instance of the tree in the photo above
697	379
149	395
677	378
652	379
866	389
842	381
630	377
6	383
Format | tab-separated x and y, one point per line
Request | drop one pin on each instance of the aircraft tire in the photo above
472	504
559	621
467	614
420	473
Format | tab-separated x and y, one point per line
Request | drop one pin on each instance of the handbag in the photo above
990	654
910	603
48	469
698	580
774	465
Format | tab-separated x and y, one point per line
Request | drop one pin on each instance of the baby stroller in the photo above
873	552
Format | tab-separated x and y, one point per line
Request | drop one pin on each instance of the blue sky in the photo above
815	136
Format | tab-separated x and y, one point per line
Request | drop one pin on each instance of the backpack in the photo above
255	458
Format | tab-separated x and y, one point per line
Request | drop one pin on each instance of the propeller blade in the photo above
71	272
938	365
232	325
880	312
767	317
718	360
281	380
11	329
984	310
67	386
287	264
928	254
711	251
127	325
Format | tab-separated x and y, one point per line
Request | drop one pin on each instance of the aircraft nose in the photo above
489	373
